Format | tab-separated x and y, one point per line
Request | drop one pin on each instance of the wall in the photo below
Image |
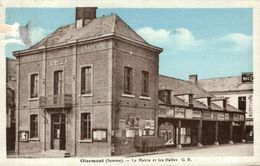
132	106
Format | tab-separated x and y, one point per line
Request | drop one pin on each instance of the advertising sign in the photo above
188	113
206	115
235	117
247	77
221	116
169	113
241	117
149	124
179	112
214	115
196	114
226	116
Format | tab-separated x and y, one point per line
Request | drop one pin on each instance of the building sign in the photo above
247	77
149	124
214	115
169	113
188	114
235	117
58	62
99	135
179	112
92	47
226	116
206	115
241	117
23	136
221	116
196	114
250	106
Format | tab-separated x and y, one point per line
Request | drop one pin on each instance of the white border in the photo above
255	4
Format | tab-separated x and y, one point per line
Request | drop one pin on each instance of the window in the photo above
86	74
85	126
145	83
34	86
34	126
128	80
58	82
242	103
165	95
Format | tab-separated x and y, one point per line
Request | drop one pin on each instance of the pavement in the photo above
236	149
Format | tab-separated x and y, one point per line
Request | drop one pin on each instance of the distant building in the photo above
239	90
87	89
189	115
10	103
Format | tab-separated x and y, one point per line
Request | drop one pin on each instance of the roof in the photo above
223	84
233	109
98	27
179	86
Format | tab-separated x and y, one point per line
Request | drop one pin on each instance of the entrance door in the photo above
58	130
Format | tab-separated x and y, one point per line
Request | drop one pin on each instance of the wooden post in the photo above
179	134
231	133
199	133
243	132
216	133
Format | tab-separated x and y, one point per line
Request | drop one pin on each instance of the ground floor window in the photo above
34	126
85	126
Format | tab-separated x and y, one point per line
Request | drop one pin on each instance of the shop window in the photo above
242	103
86	80
85	126
58	82
128	78
145	83
34	85
33	126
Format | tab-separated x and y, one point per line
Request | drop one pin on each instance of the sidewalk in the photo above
165	150
175	150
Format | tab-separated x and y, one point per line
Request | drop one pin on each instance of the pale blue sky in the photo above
207	42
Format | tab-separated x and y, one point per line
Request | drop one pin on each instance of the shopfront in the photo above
179	126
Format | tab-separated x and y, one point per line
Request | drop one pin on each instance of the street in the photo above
221	150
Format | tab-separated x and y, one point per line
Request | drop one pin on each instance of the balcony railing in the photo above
56	101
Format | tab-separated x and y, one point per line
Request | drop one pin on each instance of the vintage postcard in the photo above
124	83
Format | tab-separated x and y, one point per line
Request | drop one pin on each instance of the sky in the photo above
207	42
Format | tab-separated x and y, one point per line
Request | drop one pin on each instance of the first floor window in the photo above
34	85
33	126
85	126
128	77
58	82
86	74
145	83
242	103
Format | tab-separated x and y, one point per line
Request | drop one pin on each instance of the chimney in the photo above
193	78
84	15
